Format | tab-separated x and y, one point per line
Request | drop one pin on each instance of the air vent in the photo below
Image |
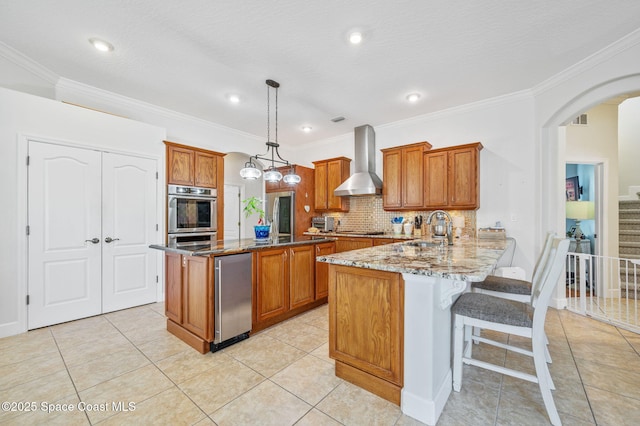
580	120
337	119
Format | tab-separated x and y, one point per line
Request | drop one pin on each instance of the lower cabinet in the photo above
189	299
352	243
284	283
366	326
322	269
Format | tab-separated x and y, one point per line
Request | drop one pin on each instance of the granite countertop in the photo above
466	259
361	234
238	246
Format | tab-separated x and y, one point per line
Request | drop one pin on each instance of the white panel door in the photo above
64	217
231	212
128	227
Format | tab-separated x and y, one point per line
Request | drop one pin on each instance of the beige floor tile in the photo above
171	407
100	369
191	363
322	352
28	345
132	387
129	319
30	369
157	307
309	378
317	418
514	410
155	329
476	403
352	405
300	335
96	334
163	347
613	409
87	352
217	387
621	381
405	420
64	412
264	354
44	388
611	354
265	404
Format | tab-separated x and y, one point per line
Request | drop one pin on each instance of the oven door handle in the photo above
192	197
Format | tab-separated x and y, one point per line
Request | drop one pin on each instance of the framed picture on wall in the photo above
573	189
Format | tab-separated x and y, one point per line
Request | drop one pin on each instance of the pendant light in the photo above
250	171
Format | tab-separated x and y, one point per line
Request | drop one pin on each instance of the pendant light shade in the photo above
250	171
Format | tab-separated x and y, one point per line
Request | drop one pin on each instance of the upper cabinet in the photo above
193	166
403	178
452	177
329	174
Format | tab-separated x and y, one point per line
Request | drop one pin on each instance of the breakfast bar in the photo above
390	318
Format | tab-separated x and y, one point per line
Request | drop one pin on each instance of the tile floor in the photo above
283	376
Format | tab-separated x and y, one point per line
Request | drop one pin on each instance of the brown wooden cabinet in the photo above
189	299
452	177
403	177
329	174
366	328
271	288
193	166
302	261
352	243
284	284
322	269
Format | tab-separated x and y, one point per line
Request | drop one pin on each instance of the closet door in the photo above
128	227
65	234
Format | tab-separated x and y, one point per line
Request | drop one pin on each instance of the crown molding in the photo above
606	53
23	61
108	98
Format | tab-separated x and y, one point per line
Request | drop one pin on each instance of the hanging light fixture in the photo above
250	171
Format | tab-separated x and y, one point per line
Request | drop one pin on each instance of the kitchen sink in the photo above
422	244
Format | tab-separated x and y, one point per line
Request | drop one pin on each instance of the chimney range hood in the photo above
364	180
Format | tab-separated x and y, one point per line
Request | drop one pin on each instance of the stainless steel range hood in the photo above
364	180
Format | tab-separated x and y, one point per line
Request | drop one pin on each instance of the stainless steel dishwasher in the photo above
232	299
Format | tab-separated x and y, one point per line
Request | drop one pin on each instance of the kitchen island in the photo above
275	296
390	317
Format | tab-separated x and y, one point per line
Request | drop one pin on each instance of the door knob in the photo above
93	240
109	239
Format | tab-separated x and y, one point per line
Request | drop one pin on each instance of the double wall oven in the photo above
191	216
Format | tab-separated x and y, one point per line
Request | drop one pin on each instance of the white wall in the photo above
629	146
24	115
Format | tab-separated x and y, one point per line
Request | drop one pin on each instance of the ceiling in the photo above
190	55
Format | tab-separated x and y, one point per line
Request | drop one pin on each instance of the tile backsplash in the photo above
366	214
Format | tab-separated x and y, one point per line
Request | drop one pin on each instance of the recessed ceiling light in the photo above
306	129
234	99
355	37
413	97
101	45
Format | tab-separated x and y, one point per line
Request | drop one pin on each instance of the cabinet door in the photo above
435	179
321	186
322	269
463	182
382	241
335	176
180	163
346	244
197	293
206	168
392	180
412	177
173	287
272	283
366	324
302	275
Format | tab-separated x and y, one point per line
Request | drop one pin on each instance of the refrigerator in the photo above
280	211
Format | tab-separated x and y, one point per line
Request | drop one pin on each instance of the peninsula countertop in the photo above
465	260
238	246
361	234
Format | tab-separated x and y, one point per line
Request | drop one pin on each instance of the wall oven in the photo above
191	210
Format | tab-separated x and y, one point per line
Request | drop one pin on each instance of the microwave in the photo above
191	209
323	223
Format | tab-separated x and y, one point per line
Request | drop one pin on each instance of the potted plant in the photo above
252	205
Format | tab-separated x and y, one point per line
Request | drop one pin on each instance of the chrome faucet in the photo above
440	215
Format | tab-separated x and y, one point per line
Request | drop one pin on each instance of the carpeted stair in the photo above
629	244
